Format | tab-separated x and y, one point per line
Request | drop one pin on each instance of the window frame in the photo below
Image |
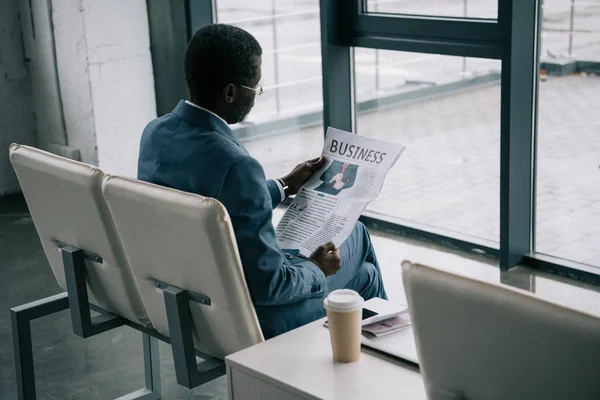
515	32
345	25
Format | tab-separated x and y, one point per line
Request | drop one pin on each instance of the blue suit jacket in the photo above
193	150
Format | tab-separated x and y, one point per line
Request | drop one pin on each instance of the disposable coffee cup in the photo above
344	312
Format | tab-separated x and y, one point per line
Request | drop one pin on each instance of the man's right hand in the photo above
327	258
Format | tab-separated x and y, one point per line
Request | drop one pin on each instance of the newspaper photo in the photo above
327	207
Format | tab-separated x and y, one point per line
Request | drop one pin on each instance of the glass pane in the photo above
568	175
443	8
570	29
289	33
446	110
279	154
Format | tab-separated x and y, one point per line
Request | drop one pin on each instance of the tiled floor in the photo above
110	365
449	176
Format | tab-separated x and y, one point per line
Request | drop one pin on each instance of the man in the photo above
194	150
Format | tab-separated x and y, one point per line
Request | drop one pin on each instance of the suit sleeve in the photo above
274	190
271	279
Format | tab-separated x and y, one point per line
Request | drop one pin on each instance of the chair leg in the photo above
153	389
188	372
21	318
23	351
152	364
75	274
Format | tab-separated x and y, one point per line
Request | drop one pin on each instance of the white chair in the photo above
482	341
182	249
66	204
87	258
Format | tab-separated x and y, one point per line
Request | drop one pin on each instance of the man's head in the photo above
219	61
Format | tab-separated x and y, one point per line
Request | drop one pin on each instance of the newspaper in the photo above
385	327
327	207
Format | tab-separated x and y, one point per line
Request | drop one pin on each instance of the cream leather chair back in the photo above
66	204
186	241
482	341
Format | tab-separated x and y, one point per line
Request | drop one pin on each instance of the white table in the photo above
298	365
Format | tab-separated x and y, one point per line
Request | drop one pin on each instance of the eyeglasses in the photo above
258	89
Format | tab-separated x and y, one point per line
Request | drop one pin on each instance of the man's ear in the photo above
229	93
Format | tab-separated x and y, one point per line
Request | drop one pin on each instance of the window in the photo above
568	166
289	33
568	173
285	126
444	8
446	110
279	154
570	30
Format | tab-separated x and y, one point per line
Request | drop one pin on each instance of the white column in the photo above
103	70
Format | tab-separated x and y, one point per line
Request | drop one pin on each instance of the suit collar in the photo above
204	118
189	103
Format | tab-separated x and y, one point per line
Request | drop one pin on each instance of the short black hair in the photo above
216	56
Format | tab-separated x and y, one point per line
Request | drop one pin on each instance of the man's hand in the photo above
299	175
327	258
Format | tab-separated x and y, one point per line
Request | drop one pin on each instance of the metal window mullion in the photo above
200	13
429	46
466	30
337	65
519	20
169	29
172	23
540	21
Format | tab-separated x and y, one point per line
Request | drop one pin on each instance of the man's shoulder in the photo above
164	119
179	144
195	137
165	125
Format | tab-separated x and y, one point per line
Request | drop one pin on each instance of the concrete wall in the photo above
105	74
72	68
91	77
17	120
121	79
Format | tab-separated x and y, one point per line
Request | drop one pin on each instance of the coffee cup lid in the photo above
343	300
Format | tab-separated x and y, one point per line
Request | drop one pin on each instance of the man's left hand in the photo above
299	175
